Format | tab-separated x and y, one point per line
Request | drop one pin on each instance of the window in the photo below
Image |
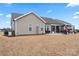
47	28
30	28
41	29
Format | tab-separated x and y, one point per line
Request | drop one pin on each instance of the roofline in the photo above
28	14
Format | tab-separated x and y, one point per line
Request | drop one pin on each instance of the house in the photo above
32	23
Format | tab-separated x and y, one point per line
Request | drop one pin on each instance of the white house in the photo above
31	23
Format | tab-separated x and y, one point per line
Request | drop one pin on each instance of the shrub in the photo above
6	33
77	30
47	31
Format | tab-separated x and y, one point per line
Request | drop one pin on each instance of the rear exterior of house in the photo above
31	23
28	24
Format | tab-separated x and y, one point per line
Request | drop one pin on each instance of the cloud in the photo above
7	22
24	9
1	14
75	17
76	13
8	4
73	3
8	15
49	11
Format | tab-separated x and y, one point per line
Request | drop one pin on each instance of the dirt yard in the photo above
40	45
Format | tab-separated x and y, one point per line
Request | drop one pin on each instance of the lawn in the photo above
40	45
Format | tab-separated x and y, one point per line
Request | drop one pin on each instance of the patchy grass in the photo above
40	45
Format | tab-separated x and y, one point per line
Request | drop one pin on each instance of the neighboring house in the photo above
31	23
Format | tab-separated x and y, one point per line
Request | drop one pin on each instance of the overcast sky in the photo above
64	11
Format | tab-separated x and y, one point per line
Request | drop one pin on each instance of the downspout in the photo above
14	28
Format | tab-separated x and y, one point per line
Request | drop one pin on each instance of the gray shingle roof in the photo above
15	15
55	21
48	20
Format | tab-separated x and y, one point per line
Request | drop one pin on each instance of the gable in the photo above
30	18
19	17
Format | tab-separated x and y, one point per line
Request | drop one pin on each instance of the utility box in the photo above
9	33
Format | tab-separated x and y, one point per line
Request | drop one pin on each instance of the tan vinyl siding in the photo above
12	25
22	25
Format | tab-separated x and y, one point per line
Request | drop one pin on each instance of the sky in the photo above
68	12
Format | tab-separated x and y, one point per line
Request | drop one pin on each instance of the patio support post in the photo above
55	28
59	29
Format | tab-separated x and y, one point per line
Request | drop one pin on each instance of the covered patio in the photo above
56	28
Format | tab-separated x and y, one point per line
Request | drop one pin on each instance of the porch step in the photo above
54	34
